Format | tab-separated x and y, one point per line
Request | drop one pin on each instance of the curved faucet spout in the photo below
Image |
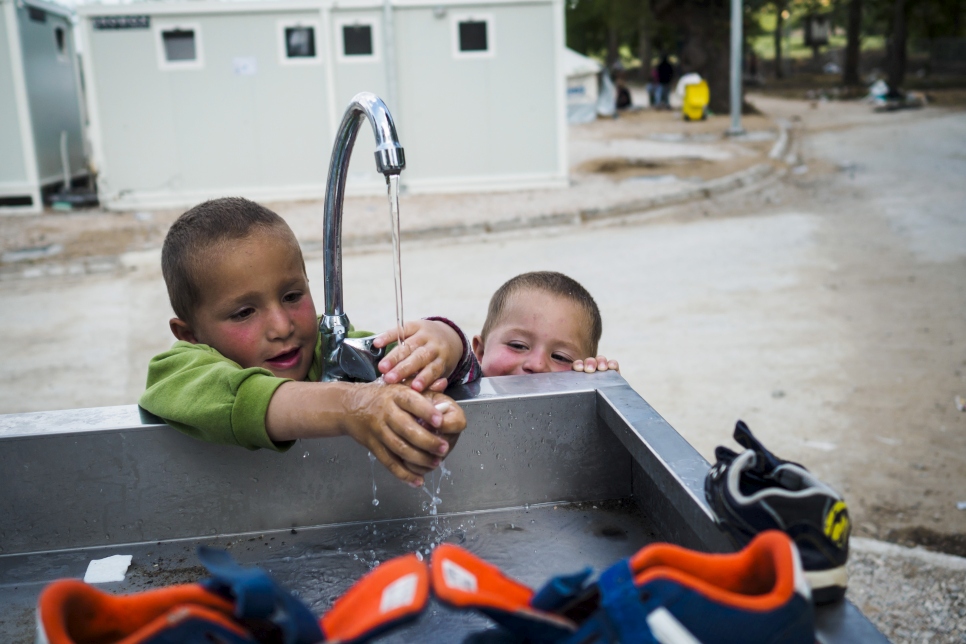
390	160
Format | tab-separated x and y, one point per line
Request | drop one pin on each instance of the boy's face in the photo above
255	306
537	333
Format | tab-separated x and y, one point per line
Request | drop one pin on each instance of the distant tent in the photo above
582	86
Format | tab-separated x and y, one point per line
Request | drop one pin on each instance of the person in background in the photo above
665	74
652	88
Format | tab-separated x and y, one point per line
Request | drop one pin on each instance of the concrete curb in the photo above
891	550
715	187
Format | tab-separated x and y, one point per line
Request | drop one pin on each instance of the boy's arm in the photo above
468	368
435	356
383	418
207	396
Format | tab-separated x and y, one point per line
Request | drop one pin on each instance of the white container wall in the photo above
190	101
41	117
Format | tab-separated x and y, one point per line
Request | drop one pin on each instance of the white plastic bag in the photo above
607	100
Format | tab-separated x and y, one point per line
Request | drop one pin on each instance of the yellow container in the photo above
696	97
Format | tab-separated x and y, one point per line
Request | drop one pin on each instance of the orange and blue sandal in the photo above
672	595
663	594
236	606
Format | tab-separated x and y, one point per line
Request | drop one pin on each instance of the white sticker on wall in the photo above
458	577
399	593
244	65
113	568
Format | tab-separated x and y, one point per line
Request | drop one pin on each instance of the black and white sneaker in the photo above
756	491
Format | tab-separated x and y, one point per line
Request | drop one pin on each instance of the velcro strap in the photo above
463	580
258	597
620	600
560	590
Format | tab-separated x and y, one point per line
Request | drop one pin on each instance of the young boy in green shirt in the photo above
246	366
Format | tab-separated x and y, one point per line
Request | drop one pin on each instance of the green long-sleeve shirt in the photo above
204	394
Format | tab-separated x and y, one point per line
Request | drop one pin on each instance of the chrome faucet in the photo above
343	358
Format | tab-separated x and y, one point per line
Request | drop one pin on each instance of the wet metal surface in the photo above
319	564
554	472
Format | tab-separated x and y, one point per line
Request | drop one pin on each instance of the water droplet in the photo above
526	507
419	555
375	501
481	466
306	454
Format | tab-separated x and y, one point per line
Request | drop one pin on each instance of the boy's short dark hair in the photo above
555	284
198	230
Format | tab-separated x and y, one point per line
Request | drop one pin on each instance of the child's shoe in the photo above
664	593
237	606
755	491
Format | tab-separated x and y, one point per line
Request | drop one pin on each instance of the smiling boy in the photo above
246	366
541	322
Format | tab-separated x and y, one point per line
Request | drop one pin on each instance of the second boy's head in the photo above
237	282
536	323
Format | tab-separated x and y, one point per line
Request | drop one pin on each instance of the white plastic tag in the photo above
111	568
399	593
458	577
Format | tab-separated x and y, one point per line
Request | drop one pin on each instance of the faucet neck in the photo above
390	159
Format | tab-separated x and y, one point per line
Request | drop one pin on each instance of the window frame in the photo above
174	65
373	24
490	50
284	58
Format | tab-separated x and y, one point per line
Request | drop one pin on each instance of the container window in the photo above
37	15
61	40
179	45
357	40
299	42
473	36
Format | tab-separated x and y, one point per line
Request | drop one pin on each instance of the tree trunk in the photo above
897	62
644	51
706	29
850	71
779	20
613	45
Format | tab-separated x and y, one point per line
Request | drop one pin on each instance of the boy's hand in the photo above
383	418
600	363
430	354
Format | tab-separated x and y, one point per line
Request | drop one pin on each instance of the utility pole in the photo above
736	59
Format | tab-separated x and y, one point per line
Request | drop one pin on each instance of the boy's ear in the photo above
182	331
478	347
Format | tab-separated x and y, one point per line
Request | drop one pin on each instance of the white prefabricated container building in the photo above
582	86
41	117
200	99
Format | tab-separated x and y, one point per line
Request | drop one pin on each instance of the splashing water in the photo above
393	183
372	471
437	483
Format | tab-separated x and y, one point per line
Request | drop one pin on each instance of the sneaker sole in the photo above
827	585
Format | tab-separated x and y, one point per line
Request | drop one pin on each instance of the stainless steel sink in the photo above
553	472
